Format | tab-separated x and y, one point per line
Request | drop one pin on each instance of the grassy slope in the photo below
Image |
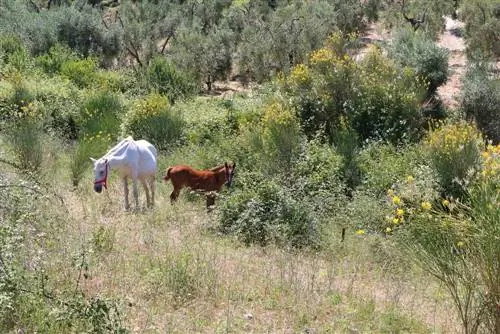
173	274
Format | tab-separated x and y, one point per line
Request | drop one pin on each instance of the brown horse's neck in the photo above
216	169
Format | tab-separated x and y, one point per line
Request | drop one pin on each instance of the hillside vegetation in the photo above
362	202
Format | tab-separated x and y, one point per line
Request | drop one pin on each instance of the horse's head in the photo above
229	173
101	168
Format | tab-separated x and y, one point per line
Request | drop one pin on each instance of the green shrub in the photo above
417	51
81	71
53	61
480	99
482	28
383	164
265	212
10	44
153	119
454	151
165	78
101	114
61	102
13	53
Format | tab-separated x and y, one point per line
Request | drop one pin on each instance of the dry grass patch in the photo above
172	273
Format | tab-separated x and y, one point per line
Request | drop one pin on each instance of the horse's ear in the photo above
225	164
93	160
234	165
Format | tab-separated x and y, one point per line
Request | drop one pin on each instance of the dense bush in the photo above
480	99
153	119
482	26
383	165
52	61
81	71
265	212
79	27
165	78
101	113
419	52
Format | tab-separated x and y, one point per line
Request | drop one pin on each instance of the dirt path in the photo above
451	40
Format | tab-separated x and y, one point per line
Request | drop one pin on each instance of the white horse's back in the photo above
147	157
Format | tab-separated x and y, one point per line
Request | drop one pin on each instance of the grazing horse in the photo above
135	159
202	180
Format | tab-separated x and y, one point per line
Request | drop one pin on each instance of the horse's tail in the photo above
166	177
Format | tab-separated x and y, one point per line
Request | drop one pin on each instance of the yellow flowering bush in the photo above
378	99
454	150
280	133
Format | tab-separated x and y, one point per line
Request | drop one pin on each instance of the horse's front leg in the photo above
125	193
210	201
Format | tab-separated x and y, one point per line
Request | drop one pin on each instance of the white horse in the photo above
135	159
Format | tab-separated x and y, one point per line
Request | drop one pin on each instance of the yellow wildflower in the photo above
445	203
409	179
426	205
396	200
395	220
360	232
400	212
460	244
388	230
390	192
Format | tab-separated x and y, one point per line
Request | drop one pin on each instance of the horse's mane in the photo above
118	148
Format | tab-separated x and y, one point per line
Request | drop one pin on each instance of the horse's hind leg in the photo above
135	192
125	193
152	186
146	190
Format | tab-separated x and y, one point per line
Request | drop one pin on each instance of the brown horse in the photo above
201	180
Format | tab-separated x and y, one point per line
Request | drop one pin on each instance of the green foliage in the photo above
81	71
480	99
53	61
287	36
266	213
101	114
454	151
431	12
482	26
153	119
24	137
419	52
79	27
205	55
383	164
165	78
13	54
